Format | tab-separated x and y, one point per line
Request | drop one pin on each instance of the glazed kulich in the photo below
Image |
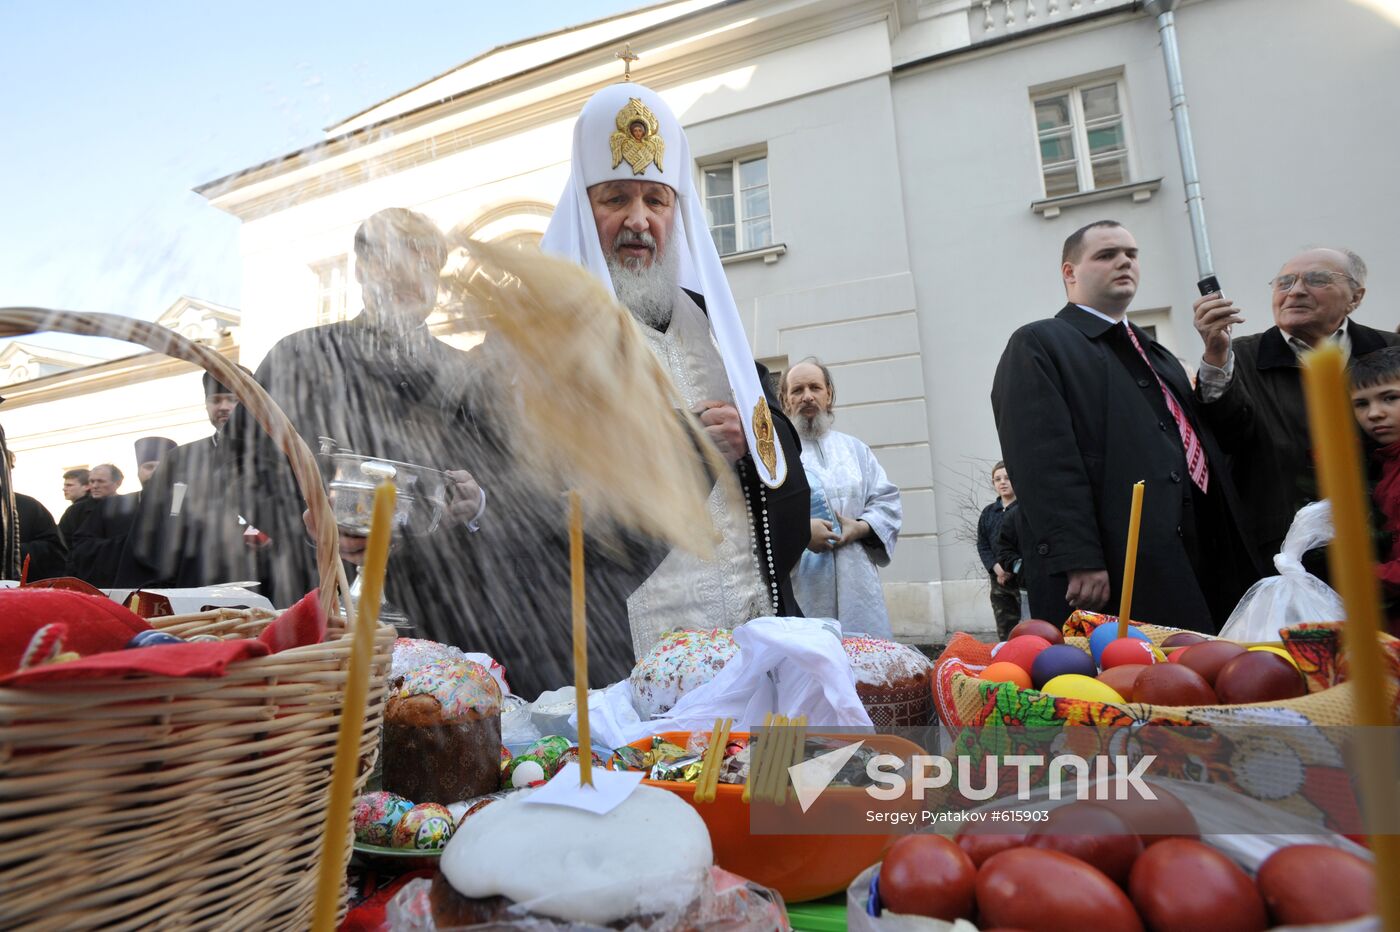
676	664
648	857
892	681
442	733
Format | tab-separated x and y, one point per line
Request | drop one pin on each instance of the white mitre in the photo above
606	150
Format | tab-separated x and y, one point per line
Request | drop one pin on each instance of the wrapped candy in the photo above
573	756
682	769
425	827
627	758
376	815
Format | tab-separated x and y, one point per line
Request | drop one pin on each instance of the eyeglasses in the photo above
1310	279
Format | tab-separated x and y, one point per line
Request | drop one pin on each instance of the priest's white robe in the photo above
844	584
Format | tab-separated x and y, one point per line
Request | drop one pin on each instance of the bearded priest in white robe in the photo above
631	215
855	515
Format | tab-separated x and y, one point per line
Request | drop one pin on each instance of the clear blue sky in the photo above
110	112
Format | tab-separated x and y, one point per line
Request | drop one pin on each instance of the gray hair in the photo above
1356	267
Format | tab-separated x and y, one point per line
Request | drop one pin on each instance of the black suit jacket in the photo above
1262	422
1081	418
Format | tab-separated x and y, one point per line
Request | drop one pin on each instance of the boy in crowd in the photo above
1375	399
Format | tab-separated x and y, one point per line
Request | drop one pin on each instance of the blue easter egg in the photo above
1109	632
153	637
1058	660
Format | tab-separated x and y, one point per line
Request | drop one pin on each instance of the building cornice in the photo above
333	165
116	373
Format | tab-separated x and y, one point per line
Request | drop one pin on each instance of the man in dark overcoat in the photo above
1087	405
1251	389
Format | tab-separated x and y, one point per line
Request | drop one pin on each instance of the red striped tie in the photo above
1195	455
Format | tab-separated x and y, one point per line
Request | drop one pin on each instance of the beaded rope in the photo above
773	589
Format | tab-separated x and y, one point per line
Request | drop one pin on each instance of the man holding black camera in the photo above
1250	389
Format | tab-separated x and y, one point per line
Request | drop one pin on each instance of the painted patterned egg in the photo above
152	637
525	770
376	815
425	827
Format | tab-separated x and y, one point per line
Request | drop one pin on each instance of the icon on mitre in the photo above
636	139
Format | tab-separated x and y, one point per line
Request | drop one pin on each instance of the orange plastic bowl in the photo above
800	867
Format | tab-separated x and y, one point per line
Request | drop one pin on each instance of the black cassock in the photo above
502	590
95	552
187	532
39	540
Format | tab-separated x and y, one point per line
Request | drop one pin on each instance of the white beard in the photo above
814	427
649	292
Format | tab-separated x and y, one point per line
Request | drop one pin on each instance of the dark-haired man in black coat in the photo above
1086	405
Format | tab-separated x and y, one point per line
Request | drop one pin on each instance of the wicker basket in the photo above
173	803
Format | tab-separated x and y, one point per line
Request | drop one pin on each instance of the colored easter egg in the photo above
1022	650
1003	672
1059	660
1076	686
151	637
1105	634
1039	628
1125	651
425	827
1276	650
376	815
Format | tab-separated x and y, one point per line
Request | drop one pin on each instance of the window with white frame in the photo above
1082	137
331	275
736	203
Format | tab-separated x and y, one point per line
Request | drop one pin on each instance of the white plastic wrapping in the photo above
792	666
1294	595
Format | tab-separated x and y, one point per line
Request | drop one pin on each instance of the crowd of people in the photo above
1086	404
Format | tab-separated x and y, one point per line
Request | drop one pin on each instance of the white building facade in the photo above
894	179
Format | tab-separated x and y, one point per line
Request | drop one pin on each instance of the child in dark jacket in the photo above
1375	399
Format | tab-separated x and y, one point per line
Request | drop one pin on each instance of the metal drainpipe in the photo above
1186	150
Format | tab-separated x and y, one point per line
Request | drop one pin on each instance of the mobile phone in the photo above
1209	285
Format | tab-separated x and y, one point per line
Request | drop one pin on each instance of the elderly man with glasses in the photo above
1251	390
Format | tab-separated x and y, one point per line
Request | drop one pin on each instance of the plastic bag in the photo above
789	666
724	901
1294	595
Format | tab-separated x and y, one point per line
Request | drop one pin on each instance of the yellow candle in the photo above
1350	560
352	714
585	758
1125	604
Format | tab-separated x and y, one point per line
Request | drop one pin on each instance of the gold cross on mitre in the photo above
628	57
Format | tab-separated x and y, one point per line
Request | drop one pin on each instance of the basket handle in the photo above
20	321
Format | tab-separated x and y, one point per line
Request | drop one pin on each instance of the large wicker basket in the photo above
179	803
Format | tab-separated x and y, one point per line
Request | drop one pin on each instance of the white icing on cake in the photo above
649	855
676	664
884	663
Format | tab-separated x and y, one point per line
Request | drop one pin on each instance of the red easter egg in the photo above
1207	659
1122	678
1039	628
1258	676
1022	651
1126	651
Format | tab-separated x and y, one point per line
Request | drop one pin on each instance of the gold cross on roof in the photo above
628	57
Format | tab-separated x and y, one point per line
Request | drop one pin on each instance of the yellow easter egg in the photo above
1077	686
1277	650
